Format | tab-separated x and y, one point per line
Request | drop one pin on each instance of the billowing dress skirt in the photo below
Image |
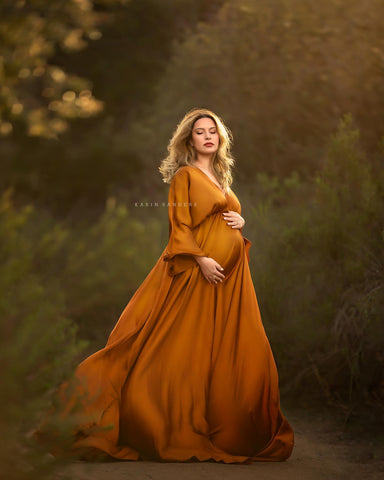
187	372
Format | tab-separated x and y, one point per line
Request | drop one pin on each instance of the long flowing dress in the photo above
187	372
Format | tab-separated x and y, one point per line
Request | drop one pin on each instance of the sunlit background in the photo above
90	93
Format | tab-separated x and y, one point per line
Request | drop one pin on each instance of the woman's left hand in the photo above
234	219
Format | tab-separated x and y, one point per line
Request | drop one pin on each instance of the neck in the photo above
206	163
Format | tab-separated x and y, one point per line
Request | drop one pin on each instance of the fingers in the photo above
233	219
216	276
214	280
213	272
219	273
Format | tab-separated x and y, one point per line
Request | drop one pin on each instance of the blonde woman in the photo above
188	372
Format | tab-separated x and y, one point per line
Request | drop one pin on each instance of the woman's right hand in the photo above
210	269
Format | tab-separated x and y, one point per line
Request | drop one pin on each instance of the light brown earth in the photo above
322	452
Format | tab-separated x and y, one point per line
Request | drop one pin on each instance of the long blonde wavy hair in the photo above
181	153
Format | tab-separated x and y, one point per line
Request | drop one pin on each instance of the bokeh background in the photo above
90	93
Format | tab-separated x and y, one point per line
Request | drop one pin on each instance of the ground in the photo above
323	451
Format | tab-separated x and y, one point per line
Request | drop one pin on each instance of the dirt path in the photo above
321	452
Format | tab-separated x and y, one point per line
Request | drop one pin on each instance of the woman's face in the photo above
205	138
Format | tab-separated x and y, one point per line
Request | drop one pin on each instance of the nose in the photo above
207	135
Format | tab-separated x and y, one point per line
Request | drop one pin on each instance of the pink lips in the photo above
208	144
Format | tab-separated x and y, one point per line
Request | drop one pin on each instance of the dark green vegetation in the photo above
301	86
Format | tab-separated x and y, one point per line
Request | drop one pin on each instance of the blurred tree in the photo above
38	341
280	74
85	163
319	263
33	91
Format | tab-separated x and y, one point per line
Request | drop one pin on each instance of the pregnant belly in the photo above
220	242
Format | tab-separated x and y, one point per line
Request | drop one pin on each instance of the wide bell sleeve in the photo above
182	244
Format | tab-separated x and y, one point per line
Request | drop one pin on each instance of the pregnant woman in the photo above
188	372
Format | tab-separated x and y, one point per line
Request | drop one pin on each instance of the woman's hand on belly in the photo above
210	269
234	219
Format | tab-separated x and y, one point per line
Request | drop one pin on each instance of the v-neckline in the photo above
225	195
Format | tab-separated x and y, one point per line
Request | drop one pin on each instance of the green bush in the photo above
58	282
104	265
318	268
38	343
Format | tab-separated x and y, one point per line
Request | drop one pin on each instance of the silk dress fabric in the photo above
187	372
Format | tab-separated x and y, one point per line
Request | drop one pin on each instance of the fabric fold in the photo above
187	371
182	244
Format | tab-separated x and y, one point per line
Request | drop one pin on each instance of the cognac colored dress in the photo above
187	372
